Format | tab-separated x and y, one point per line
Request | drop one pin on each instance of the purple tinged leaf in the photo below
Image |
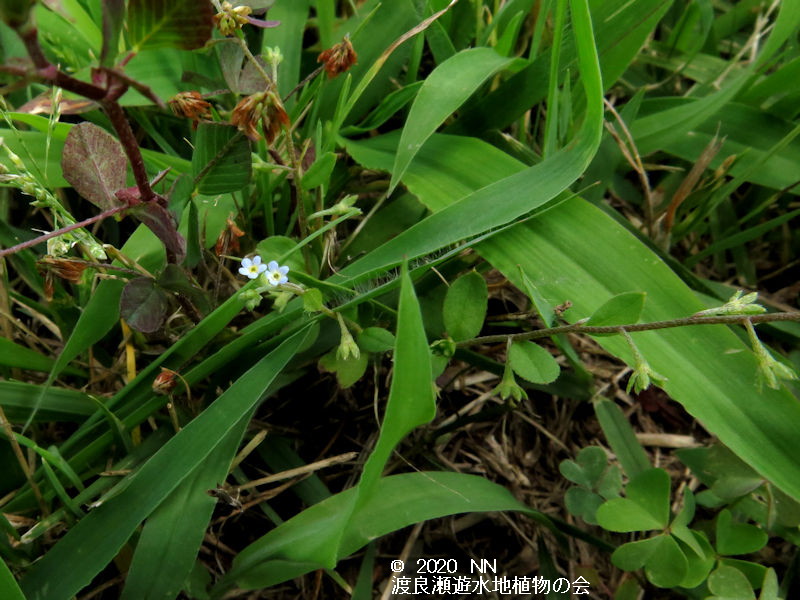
261	23
230	62
163	224
143	304
183	24
94	164
250	79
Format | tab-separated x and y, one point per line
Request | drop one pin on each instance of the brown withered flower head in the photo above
64	268
228	240
230	19
190	105
338	58
265	108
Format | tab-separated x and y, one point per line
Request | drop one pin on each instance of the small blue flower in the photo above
276	275
253	268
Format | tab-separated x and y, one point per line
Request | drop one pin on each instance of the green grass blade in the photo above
621	438
96	539
58	404
513	196
172	535
14	355
289	38
398	501
9	590
443	91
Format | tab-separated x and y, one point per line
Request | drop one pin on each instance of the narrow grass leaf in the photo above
9	590
621	438
444	90
513	196
89	546
57	404
172	535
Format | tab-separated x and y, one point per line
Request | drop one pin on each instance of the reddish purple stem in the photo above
43	238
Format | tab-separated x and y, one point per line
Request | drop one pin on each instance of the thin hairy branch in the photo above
43	238
634	327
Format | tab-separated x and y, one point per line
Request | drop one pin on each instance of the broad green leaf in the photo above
465	306
770	588
411	397
178	24
289	38
738	538
221	161
622	309
651	491
9	589
95	540
443	91
94	164
398	501
533	362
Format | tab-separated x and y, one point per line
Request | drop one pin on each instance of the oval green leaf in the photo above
533	363
622	309
465	306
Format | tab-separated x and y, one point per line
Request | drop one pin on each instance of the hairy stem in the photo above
633	327
43	238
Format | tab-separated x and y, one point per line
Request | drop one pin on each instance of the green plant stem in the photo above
633	327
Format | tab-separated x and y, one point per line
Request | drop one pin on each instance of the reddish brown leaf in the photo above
94	163
163	224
